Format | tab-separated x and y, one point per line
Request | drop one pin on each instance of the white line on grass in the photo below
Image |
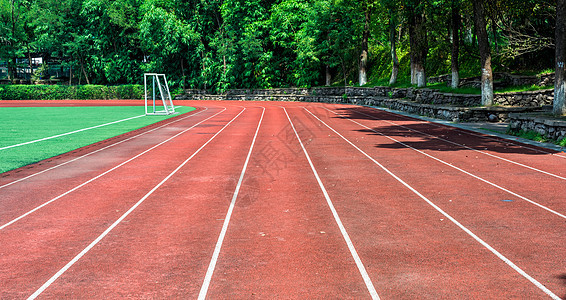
68	133
217	248
105	233
96	151
457	144
353	252
459	169
453	220
72	132
100	175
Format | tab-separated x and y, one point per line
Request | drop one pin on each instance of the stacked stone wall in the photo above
525	99
501	80
426	102
544	124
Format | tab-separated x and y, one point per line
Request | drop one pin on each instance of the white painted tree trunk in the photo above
413	74
486	88
363	78
455	82
559	105
421	78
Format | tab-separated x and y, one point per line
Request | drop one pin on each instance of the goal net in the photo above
157	97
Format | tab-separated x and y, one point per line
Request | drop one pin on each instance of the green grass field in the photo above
21	125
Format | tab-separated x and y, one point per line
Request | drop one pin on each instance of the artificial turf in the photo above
24	124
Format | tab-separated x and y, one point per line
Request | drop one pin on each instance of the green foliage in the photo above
40	73
523	88
530	135
442	87
222	44
61	92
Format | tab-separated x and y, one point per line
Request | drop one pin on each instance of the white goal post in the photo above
157	97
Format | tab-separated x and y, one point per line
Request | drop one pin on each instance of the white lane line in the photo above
217	248
465	229
102	174
353	252
469	132
68	133
105	233
459	169
457	144
96	151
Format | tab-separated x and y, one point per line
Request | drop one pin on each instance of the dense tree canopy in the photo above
221	44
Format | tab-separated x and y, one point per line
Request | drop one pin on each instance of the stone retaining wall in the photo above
449	113
544	124
424	96
525	99
438	111
501	80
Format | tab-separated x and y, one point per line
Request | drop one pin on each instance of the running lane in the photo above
523	233
282	241
335	201
35	247
161	249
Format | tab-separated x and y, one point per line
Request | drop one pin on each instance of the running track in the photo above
287	200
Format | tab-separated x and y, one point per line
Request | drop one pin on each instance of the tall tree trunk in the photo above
494	32
419	47
363	78
182	73
12	67
84	71
29	62
394	59
559	105
412	55
328	76
485	53
343	66
455	20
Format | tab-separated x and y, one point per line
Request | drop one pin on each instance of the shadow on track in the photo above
428	142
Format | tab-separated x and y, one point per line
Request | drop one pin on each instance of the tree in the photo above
418	40
559	105
485	53
391	6
367	7
455	26
15	34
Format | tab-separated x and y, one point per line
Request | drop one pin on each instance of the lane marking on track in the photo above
457	144
102	174
68	133
107	231
469	132
353	252
217	248
445	214
96	151
459	169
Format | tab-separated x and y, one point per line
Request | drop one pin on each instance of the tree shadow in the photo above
562	277
438	138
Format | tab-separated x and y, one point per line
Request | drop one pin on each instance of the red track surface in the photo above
431	212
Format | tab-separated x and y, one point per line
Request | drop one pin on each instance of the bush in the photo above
61	92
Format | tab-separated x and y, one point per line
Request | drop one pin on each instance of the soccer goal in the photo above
157	97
